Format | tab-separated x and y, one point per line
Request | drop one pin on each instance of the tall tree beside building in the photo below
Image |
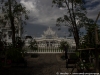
75	16
88	40
12	10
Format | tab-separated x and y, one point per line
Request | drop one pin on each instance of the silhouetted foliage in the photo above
33	45
75	17
64	44
12	11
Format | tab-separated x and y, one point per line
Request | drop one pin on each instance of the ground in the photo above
45	64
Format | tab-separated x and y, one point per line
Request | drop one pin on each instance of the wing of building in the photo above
5	29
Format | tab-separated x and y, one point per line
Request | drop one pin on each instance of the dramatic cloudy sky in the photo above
42	15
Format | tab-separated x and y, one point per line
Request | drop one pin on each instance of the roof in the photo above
49	31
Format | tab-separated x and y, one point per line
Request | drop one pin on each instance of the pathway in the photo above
45	64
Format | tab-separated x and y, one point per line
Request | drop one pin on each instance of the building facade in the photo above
49	42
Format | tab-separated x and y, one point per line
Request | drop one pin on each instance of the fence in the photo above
49	50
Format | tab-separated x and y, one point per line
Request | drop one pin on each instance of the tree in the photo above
75	17
88	40
64	46
14	54
33	45
13	10
91	41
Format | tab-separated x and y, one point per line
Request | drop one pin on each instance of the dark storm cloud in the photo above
93	8
34	30
43	11
42	14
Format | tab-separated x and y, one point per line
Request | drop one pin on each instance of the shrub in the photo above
73	56
64	44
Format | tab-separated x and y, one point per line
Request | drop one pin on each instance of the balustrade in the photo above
51	49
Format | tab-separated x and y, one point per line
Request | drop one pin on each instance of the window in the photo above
4	35
9	34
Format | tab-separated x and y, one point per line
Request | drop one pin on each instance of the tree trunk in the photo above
96	61
12	23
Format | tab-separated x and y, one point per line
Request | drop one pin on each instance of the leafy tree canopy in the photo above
33	45
75	16
64	44
19	12
13	13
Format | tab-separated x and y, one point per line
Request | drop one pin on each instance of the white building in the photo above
6	32
49	42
